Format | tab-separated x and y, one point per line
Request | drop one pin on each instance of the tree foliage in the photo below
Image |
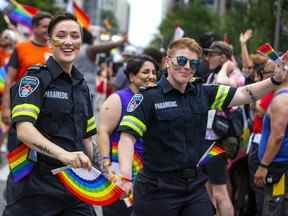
44	5
194	19
197	19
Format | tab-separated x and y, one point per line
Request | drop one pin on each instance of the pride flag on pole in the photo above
211	152
82	17
19	13
267	50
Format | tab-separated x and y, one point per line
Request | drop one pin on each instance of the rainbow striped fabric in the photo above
19	14
91	186
267	50
19	163
2	79
137	165
212	151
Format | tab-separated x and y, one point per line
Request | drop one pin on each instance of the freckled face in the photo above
65	41
180	75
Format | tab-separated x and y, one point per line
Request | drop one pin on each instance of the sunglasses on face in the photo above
182	61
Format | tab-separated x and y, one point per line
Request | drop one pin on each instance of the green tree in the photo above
255	14
197	18
44	5
194	19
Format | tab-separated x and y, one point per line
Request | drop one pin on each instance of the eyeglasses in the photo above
182	61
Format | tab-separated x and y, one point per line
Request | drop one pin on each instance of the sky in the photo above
145	18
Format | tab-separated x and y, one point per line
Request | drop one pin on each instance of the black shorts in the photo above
216	170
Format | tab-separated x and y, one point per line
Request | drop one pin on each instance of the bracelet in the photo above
275	82
126	179
263	165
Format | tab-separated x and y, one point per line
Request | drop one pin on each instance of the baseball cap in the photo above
221	47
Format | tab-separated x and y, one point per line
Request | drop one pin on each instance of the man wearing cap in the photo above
219	61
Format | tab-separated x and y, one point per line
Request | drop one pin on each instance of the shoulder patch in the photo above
28	85
134	102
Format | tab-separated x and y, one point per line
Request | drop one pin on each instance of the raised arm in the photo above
246	61
251	93
101	48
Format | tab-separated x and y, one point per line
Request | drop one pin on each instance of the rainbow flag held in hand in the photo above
267	50
19	163
90	186
212	151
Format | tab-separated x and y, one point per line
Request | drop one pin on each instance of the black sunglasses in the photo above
182	61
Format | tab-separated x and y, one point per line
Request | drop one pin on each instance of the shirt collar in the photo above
56	71
167	87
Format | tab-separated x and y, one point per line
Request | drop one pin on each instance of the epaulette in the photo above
37	67
146	87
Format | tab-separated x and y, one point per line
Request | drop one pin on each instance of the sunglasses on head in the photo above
182	61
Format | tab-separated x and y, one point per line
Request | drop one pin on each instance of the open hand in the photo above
244	37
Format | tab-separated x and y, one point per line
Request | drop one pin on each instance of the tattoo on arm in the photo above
42	149
252	96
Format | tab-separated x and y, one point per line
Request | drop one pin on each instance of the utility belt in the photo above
187	173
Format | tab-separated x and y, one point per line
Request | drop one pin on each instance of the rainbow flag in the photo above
267	50
20	165
3	75
82	17
18	14
137	165
212	151
91	186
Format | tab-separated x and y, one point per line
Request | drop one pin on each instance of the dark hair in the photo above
156	54
136	62
59	18
39	16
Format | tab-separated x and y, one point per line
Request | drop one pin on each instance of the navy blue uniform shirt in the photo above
58	105
173	124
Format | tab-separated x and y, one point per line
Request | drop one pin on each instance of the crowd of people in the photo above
70	100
